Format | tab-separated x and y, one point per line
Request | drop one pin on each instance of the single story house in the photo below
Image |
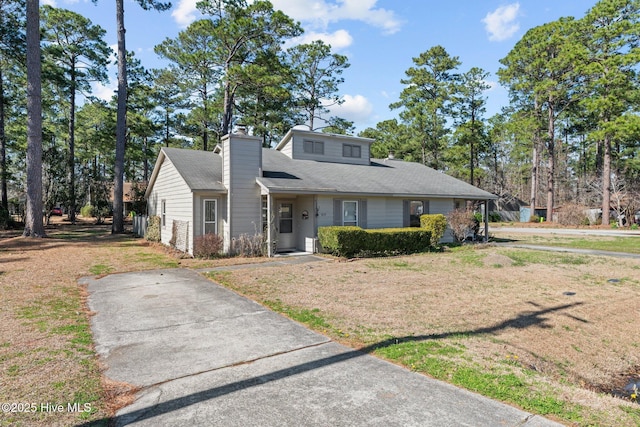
308	181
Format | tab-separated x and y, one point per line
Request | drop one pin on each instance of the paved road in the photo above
562	231
204	356
565	231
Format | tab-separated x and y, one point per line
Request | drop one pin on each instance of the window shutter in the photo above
425	207
362	213
406	219
337	212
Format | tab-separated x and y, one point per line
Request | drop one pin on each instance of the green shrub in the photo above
350	241
153	229
342	240
86	211
436	224
495	217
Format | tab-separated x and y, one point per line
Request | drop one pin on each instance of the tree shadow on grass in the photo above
522	321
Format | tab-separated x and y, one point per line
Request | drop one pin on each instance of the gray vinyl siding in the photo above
170	186
288	150
384	212
325	211
379	212
242	160
197	212
332	150
373	212
304	228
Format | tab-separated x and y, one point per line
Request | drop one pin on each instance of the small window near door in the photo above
163	212
286	218
350	212
209	216
416	208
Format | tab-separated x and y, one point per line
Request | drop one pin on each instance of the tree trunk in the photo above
228	104
606	179
72	153
33	225
534	178
205	119
145	170
3	149
471	148
551	165
166	131
121	127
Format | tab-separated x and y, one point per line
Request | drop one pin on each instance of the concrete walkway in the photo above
205	356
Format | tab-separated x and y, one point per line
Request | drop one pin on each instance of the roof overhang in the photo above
267	189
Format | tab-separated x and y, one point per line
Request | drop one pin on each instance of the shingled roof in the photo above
380	178
202	170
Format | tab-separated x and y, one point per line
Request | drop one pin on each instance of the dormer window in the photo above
313	147
350	150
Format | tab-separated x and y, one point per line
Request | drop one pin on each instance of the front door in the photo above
286	236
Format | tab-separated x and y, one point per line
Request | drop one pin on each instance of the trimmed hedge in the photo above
348	241
342	240
436	224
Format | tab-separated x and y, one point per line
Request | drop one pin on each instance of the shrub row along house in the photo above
308	181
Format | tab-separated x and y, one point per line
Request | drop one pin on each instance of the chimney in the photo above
241	129
392	155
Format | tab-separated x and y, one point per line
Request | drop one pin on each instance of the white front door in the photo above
286	235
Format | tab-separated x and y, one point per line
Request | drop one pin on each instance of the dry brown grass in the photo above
45	355
496	302
558	314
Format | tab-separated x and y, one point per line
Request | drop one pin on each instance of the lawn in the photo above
629	244
49	372
555	334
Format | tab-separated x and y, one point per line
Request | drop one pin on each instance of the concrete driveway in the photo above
205	356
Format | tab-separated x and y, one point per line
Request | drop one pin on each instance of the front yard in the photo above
556	334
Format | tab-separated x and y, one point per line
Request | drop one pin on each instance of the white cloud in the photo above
338	40
51	3
104	92
185	12
355	108
501	23
492	84
320	13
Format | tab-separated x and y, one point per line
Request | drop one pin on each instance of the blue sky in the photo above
380	38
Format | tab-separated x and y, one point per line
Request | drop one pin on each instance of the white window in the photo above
163	212
349	150
313	147
350	212
209	216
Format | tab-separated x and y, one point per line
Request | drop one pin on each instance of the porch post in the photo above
270	217
486	220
